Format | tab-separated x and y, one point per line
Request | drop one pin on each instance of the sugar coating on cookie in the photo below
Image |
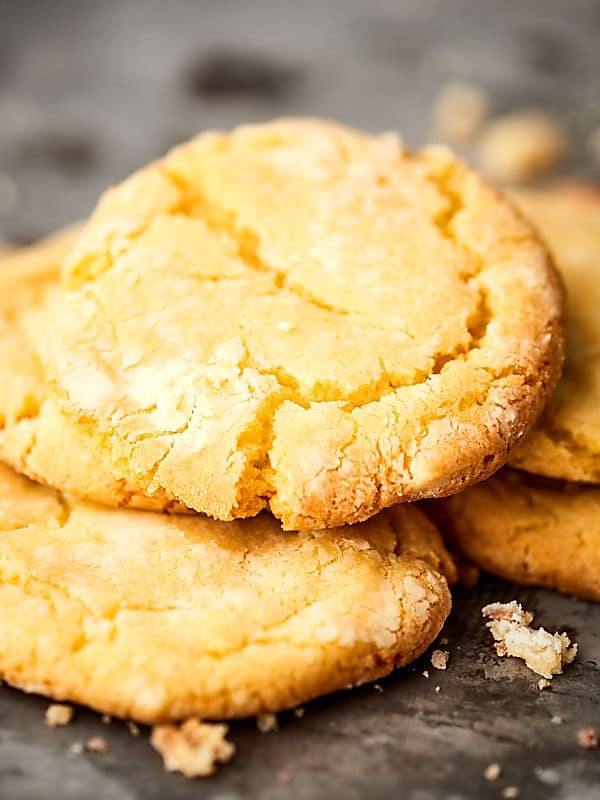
299	317
566	441
529	530
157	617
33	430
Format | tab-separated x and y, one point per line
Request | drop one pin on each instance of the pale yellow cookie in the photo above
299	317
35	437
566	441
160	617
528	529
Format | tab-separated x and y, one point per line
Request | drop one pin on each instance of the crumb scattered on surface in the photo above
543	652
58	714
266	723
76	749
521	146
438	688
299	712
556	720
439	659
133	728
106	719
97	744
193	748
378	687
550	777
543	683
443	641
425	673
587	738
492	772
510	792
459	110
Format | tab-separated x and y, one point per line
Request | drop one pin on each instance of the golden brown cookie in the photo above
528	529
566	441
161	617
299	317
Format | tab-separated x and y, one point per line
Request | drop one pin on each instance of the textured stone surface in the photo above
88	91
405	741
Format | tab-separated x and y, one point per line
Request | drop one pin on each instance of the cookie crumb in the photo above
543	652
587	738
439	659
556	720
58	714
510	792
438	688
443	641
542	684
193	748
76	749
133	728
378	687
106	719
521	146
425	673
299	712
97	744
458	112
492	772
267	723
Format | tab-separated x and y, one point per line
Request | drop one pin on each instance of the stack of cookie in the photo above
538	522
252	349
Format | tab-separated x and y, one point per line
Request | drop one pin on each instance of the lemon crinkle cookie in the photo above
160	617
299	317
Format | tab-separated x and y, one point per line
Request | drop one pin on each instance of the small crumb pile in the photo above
439	659
193	748
543	652
58	714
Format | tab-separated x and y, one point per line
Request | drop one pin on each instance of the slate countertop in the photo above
91	90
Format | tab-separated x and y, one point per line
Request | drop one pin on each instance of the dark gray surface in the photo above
407	741
90	90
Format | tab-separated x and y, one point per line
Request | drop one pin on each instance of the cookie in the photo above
528	529
299	317
32	428
160	617
566	441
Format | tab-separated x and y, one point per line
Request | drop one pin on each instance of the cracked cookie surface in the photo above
528	529
566	441
160	617
298	317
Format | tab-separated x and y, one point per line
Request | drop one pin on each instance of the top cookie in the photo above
301	317
566	441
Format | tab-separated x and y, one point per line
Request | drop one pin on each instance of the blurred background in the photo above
91	89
